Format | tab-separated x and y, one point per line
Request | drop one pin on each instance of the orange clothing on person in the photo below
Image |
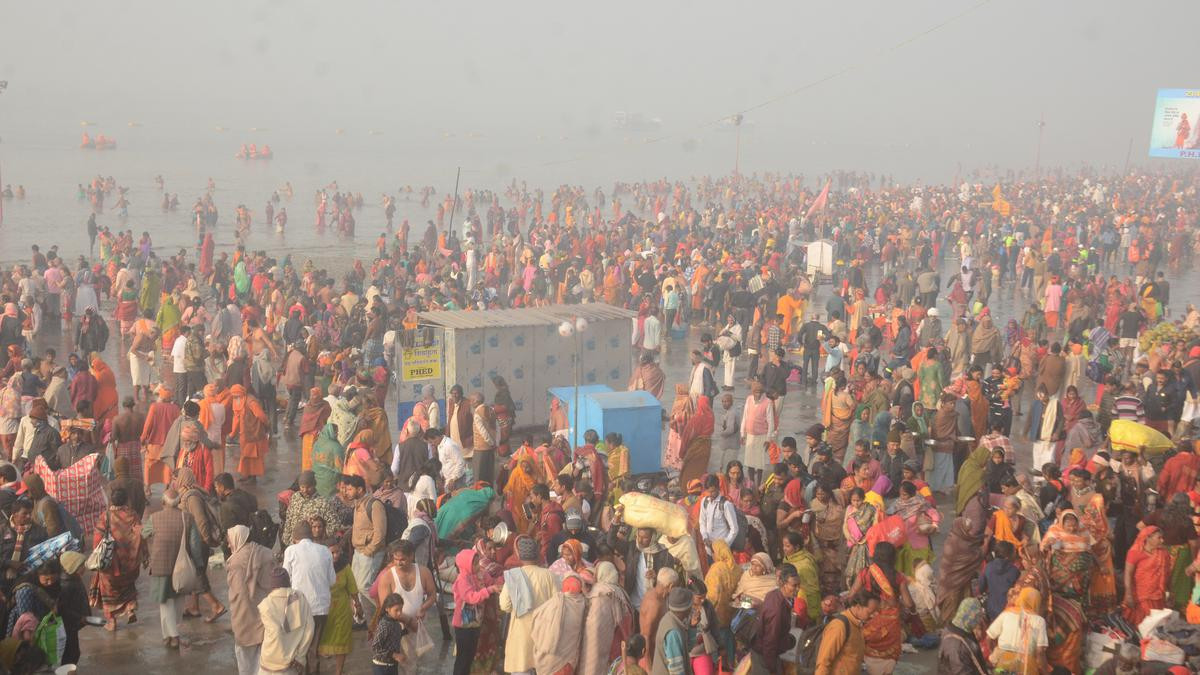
250	425
159	418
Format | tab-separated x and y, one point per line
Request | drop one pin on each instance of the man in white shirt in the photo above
701	371
449	454
718	517
310	567
179	365
651	335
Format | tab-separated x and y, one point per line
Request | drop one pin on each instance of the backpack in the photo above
810	642
743	526
397	521
264	531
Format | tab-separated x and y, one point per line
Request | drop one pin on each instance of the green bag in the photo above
51	638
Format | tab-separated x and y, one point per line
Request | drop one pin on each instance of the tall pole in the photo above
737	153
1037	160
1128	154
454	204
578	367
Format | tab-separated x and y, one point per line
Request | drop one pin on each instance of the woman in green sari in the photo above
168	322
930	377
241	281
455	518
328	458
861	429
151	290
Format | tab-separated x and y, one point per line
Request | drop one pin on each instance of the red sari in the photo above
1150	574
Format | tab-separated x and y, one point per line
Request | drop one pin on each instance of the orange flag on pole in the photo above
820	202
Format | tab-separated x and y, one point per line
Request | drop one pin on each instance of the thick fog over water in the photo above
383	94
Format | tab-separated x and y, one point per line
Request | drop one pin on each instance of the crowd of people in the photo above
919	511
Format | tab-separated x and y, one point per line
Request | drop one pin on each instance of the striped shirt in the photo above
1129	408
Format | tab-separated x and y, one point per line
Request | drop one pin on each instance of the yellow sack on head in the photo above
643	510
1127	435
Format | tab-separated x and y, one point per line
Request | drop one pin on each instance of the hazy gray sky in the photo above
541	81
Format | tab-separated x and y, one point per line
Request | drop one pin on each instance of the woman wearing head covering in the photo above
920	522
470	592
336	636
558	631
837	408
312	421
374	417
696	441
118	582
971	477
1089	504
250	425
681	413
722	582
1147	569
360	459
105	405
962	554
248	570
959	651
759	580
168	321
10	413
159	419
608	622
861	429
883	632
1019	636
572	562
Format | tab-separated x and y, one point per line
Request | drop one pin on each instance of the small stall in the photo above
819	260
531	349
637	416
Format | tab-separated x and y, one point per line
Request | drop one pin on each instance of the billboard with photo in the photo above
1176	130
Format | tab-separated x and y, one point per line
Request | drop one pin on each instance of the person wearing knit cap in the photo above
813	442
288	626
671	639
35	436
525	589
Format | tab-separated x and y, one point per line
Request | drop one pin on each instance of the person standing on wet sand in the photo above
159	419
166	536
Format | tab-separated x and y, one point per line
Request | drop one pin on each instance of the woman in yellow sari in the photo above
516	492
838	410
722	581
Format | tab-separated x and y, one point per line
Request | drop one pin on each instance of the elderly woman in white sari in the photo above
609	622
